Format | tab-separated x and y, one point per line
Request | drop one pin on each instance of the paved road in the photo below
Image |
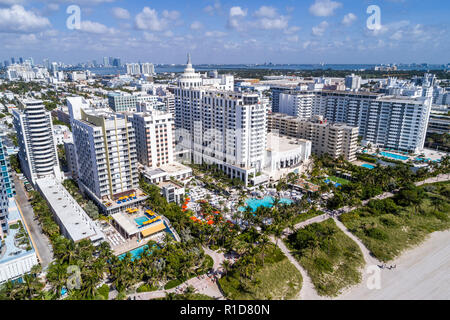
40	241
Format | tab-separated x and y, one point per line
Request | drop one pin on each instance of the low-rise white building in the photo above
73	221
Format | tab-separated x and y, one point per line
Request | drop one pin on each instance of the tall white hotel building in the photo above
37	149
220	127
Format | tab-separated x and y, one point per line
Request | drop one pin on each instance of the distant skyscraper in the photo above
13	60
105	62
117	63
20	60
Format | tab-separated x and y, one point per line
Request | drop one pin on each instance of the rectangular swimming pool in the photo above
367	166
393	156
140	221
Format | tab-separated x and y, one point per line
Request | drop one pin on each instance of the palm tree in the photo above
226	266
278	232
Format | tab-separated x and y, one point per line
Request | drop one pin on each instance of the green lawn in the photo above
278	279
339	180
333	263
388	232
307	215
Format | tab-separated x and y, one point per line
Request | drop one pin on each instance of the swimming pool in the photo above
336	184
267	202
140	221
136	253
367	166
393	156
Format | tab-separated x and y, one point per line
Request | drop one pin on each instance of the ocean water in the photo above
297	67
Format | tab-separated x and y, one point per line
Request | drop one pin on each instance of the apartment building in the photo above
120	102
106	152
393	122
439	120
335	139
7	189
37	149
154	137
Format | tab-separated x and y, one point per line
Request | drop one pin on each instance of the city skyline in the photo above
227	32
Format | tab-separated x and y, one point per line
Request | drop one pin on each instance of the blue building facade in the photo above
7	189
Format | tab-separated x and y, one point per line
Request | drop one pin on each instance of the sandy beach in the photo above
422	273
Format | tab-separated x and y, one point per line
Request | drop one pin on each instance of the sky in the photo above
227	31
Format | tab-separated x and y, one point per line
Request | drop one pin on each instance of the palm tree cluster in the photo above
367	184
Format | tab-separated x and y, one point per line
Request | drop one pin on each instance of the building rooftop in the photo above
75	220
10	250
282	143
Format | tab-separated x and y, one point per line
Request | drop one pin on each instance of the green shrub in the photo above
104	291
323	265
173	283
388	221
146	288
377	234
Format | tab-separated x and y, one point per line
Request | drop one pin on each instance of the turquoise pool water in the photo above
336	184
140	221
367	166
393	156
136	253
267	202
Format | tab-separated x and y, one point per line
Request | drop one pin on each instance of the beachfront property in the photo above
220	127
72	220
334	139
393	122
136	226
106	156
17	254
283	156
37	149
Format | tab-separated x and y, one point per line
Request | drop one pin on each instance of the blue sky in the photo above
221	31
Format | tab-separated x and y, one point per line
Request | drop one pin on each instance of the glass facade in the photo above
7	189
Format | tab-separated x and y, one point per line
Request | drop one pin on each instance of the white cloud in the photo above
278	23
292	30
320	29
171	15
196	25
11	2
95	27
293	39
349	19
324	8
215	34
235	19
17	19
150	37
148	19
214	8
121	13
266	12
238	12
168	34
